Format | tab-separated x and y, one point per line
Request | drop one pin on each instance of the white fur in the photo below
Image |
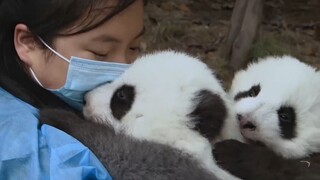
165	84
284	81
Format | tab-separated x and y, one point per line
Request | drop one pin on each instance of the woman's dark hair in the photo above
47	19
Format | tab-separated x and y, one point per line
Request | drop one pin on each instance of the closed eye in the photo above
99	55
136	49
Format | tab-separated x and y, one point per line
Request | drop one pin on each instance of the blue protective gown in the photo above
28	151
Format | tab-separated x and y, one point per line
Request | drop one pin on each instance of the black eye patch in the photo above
122	100
287	121
252	92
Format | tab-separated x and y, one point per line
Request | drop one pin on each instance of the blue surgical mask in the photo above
84	75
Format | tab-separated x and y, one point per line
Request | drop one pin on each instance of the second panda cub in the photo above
278	104
170	98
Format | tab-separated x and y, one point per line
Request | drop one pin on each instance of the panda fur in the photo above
169	98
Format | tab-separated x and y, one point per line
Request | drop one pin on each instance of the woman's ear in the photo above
25	44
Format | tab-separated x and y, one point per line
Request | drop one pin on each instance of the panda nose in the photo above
245	122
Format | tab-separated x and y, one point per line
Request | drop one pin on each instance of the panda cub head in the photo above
277	101
163	97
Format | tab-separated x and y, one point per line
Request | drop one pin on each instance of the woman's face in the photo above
116	40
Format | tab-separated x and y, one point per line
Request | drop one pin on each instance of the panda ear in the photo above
209	114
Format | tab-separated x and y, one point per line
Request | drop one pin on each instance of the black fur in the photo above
122	100
252	162
252	92
209	114
287	121
126	158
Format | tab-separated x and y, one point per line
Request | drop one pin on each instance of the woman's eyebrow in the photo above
108	38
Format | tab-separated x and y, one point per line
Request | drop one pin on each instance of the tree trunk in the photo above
244	29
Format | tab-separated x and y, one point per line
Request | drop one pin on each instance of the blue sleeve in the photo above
30	152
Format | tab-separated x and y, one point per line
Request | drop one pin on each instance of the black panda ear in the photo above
209	114
122	100
252	92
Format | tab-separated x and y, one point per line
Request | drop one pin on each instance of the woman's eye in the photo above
100	54
138	49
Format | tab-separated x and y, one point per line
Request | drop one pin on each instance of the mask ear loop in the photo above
35	77
54	51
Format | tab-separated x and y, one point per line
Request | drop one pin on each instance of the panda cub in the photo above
277	101
169	98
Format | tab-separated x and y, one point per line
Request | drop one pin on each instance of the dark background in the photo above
201	26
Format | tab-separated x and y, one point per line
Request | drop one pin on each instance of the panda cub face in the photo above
277	101
165	96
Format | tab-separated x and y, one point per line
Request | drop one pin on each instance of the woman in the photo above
49	52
